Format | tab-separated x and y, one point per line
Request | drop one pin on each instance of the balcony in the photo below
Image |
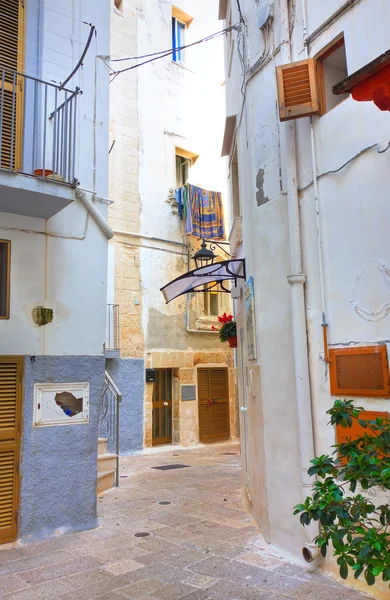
112	346
38	126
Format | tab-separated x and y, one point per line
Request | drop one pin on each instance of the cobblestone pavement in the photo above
199	544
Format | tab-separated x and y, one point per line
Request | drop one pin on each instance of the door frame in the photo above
18	442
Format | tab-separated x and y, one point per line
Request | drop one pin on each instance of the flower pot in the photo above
43	172
232	341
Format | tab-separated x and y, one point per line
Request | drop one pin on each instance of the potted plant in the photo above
228	331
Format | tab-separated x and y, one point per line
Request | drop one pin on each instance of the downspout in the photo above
324	323
298	310
95	213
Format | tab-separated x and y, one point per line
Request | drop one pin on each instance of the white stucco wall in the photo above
354	213
187	103
61	263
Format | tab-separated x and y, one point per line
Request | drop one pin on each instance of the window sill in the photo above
182	66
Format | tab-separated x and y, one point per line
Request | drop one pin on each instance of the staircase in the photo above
106	467
108	464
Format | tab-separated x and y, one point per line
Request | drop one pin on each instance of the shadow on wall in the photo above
129	376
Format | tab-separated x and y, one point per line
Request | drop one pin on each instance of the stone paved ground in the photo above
201	543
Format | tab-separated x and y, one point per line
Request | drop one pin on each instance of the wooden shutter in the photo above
11	370
297	90
203	401
213	400
12	45
219	391
362	371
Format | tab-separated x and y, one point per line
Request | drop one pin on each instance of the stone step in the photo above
102	445
105	481
106	462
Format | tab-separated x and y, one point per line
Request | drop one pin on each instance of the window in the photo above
178	29
305	87
5	266
183	165
331	69
211	304
180	22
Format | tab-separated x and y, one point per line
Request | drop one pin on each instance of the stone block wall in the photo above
185	414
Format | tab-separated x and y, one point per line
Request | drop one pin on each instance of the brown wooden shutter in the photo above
203	401
297	90
10	406
213	400
12	46
219	391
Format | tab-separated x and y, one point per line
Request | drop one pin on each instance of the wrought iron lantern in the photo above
204	257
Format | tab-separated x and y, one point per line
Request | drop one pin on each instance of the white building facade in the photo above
166	121
53	272
309	175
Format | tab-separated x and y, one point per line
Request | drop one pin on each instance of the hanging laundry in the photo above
179	201
206	220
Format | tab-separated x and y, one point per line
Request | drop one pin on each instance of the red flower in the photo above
214	328
225	318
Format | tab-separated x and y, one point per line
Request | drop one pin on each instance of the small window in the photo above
178	41
211	304
331	69
5	265
183	165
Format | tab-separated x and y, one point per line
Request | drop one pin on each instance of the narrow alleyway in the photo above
165	534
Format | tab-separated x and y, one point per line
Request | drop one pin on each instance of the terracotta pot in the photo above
43	172
232	341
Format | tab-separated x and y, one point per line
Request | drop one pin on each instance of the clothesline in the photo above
202	211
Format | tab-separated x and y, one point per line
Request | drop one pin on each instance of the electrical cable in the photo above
354	157
170	51
80	62
240	11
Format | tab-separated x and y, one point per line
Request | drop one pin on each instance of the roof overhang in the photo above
222	11
230	128
210	276
370	83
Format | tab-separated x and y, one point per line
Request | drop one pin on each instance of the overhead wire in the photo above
164	53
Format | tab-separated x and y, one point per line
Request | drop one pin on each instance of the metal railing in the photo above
109	417
112	327
38	127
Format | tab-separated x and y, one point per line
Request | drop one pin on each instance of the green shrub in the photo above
357	529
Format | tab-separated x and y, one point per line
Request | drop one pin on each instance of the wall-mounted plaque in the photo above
61	404
188	392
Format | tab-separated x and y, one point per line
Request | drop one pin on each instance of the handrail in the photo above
109	416
113	384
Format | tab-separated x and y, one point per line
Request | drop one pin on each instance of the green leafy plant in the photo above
357	529
228	329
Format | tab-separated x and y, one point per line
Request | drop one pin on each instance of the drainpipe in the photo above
95	213
297	280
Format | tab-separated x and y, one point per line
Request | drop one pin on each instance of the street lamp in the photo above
204	256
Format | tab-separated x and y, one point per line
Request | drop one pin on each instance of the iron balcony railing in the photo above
112	327
38	127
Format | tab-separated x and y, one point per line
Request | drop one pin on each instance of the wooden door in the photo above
213	402
11	374
12	44
162	407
